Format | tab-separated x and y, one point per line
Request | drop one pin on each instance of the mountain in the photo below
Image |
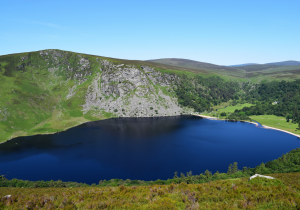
188	63
52	90
49	91
267	65
284	63
196	66
246	64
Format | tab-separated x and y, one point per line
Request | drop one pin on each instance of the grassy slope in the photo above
233	108
253	73
276	122
266	120
33	99
259	193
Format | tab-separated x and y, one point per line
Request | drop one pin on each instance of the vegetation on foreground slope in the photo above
235	193
259	193
185	192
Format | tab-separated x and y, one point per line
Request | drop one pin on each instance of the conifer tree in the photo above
229	169
207	174
175	175
234	167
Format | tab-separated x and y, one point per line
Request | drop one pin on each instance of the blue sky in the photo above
223	32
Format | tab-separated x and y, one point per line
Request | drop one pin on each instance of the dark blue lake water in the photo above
144	149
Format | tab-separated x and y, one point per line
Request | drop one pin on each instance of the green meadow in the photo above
276	122
233	108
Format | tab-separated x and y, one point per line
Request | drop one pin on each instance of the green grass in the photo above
32	96
33	100
233	108
259	193
276	122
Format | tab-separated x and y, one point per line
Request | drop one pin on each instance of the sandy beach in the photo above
263	126
207	117
268	127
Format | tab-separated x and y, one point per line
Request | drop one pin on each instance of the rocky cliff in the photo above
51	90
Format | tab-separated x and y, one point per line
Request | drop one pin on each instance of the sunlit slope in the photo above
259	193
52	90
34	95
200	66
258	73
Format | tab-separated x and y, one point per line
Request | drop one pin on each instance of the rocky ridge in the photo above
52	90
129	91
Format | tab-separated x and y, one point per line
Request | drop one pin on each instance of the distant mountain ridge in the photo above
246	64
282	63
188	63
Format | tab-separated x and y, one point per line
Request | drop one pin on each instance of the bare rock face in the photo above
77	71
125	90
129	91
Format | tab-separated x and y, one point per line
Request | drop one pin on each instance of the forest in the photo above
276	98
202	93
271	98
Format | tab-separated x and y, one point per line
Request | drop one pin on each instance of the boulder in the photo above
7	196
258	175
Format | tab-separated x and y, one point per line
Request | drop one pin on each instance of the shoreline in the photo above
198	115
215	118
67	128
262	126
268	127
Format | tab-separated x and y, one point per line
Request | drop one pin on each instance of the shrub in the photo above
265	182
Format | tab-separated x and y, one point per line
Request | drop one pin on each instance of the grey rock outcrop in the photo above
124	90
129	91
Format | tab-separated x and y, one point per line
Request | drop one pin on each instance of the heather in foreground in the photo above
259	193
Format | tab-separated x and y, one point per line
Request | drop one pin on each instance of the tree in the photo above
234	168
229	169
208	174
223	114
216	175
175	175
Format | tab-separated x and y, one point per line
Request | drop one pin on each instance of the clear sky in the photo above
223	32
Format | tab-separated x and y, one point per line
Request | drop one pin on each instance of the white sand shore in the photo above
207	117
263	126
268	127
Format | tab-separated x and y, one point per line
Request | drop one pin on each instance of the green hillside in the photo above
48	91
197	66
52	90
257	73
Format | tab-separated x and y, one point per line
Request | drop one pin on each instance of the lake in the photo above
141	148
